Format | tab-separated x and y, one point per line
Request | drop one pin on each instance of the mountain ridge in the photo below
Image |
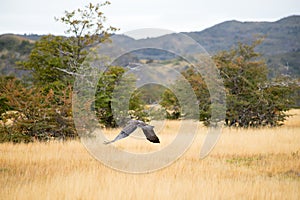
284	33
280	45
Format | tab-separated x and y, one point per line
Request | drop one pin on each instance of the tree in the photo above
53	63
103	98
252	100
46	59
178	100
171	104
34	114
55	59
201	91
86	28
112	92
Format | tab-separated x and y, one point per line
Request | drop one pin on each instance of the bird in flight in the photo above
131	126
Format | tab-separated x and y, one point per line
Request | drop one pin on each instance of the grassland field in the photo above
259	163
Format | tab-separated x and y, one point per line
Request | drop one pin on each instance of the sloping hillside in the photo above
280	47
13	48
280	37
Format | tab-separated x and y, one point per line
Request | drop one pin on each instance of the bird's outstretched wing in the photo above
126	131
119	137
150	134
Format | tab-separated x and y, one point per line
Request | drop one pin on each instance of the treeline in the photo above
252	100
40	108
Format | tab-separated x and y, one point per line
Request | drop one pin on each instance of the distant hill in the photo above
280	37
280	47
13	48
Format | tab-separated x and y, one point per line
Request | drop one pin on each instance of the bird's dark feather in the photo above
132	126
150	134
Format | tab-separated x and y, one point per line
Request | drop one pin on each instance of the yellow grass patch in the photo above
245	164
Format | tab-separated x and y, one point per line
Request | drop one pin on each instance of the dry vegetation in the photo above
245	164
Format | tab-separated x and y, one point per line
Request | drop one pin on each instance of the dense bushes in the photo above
252	100
37	114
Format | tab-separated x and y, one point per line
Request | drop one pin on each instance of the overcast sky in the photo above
37	16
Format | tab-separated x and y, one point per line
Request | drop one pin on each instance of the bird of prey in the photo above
132	126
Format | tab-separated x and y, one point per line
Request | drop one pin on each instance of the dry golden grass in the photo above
245	164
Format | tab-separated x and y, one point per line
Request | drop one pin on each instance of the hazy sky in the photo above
37	16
